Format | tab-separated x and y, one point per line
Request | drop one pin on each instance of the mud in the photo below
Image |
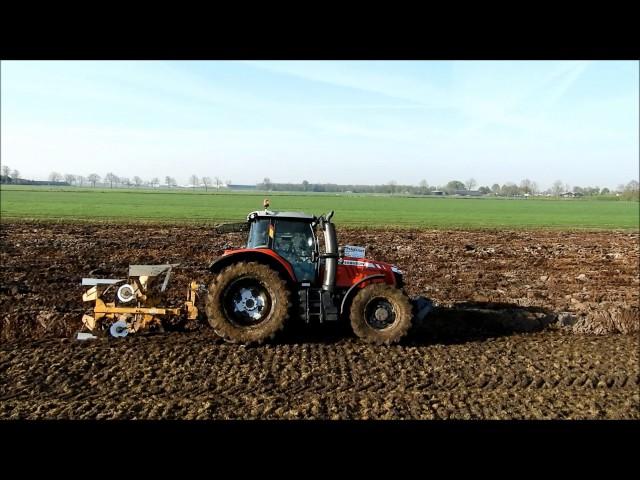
502	343
193	376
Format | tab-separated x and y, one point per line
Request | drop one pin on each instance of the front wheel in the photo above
247	303
381	314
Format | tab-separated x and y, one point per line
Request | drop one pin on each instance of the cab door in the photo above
294	241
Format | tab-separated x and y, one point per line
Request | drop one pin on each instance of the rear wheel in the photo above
247	303
381	314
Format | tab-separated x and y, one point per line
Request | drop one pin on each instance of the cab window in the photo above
259	234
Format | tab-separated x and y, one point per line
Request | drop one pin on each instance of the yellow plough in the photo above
136	303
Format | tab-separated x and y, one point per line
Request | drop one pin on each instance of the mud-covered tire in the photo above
360	314
218	314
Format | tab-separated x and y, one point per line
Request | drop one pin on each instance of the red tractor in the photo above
286	270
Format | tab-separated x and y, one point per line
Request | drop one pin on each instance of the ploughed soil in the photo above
527	324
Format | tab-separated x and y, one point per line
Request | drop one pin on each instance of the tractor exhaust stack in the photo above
331	253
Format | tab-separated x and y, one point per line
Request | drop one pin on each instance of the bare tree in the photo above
495	188
125	181
631	190
167	180
15	175
137	180
6	170
392	186
111	178
528	186
509	189
557	187
206	181
80	179
194	181
218	182
155	181
55	177
69	178
94	178
470	184
424	186
453	186
267	184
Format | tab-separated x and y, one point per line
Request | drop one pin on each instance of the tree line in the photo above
526	187
112	180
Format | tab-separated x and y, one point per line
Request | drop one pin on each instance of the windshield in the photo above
259	234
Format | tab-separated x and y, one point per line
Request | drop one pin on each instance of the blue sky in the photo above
339	121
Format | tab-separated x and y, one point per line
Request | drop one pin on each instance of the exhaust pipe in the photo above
331	253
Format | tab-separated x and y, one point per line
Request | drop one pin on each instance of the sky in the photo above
346	122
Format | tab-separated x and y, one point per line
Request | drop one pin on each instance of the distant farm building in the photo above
241	187
22	181
468	193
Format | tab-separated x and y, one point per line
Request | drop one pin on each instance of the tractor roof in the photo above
271	214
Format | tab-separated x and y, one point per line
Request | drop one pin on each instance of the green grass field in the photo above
130	205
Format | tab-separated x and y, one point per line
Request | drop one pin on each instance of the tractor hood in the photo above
354	269
369	264
354	256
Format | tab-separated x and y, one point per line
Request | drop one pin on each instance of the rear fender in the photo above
266	257
352	290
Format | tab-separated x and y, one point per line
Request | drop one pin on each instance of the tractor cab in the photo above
289	234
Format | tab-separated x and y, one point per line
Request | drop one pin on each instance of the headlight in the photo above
396	270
